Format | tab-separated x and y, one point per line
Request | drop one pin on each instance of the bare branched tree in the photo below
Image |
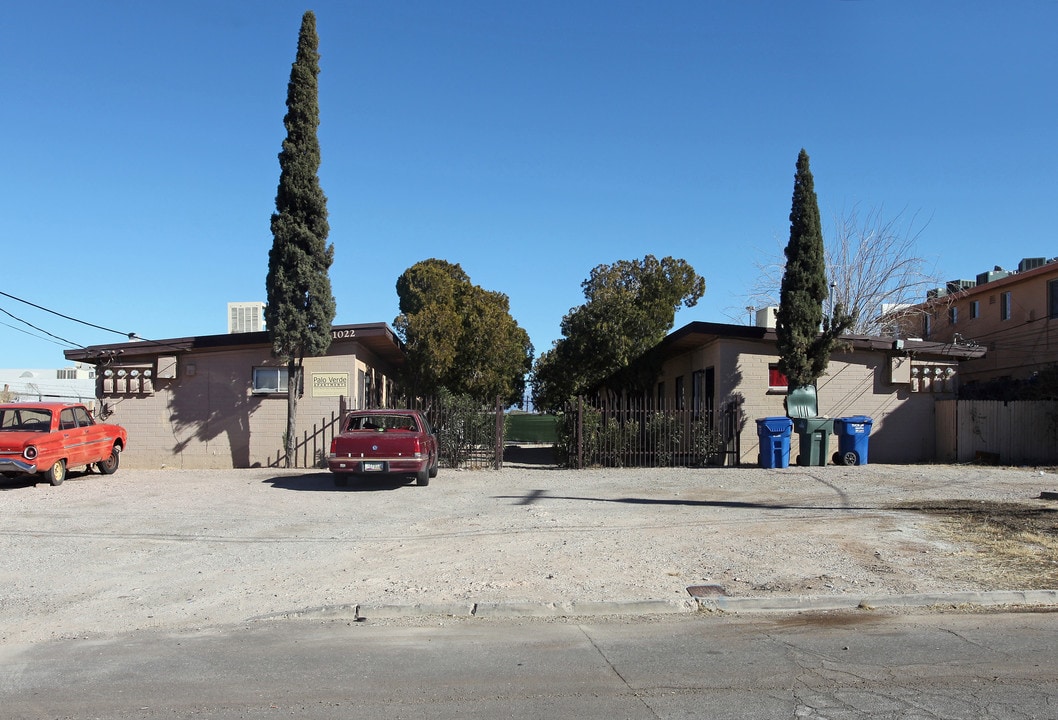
874	269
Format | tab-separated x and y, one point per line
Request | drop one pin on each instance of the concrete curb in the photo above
868	602
719	604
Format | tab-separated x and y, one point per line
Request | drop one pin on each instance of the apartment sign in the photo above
330	384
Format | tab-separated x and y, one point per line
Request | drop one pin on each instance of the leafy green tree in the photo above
629	307
805	336
459	336
300	307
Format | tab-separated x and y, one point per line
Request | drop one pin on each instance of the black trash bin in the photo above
853	439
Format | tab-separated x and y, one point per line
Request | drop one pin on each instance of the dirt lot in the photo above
190	549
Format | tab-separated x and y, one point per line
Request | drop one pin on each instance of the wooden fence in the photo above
1022	432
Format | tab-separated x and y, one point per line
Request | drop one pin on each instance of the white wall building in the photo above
76	383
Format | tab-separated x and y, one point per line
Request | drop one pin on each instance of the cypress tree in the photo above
300	306
805	337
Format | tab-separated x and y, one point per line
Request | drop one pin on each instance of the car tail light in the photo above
30	453
418	448
334	445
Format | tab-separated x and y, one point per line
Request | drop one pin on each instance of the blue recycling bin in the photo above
774	435
853	439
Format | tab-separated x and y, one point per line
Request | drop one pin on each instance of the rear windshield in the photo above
23	419
381	422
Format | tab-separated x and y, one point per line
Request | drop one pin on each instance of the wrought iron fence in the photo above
589	433
469	434
621	434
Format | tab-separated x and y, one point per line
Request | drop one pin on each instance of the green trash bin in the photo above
813	436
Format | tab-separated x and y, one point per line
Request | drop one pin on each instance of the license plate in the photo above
374	466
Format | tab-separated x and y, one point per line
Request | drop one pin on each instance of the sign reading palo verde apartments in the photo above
330	384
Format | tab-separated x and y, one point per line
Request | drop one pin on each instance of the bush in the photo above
664	435
463	429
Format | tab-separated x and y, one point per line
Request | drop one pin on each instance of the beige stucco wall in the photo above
209	416
856	383
1019	345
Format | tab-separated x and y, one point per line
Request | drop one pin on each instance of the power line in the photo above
129	335
32	335
68	342
67	317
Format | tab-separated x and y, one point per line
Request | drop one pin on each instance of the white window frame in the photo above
269	380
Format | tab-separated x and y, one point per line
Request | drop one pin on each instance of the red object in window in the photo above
775	378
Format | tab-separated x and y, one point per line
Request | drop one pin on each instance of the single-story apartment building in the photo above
708	367
220	401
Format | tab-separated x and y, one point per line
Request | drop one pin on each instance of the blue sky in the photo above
528	142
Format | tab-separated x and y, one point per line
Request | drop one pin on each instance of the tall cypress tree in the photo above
805	336
300	307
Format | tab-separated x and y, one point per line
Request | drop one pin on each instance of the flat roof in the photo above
379	338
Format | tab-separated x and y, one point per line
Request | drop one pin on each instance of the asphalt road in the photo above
835	665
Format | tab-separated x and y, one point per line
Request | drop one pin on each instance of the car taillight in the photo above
334	445
418	448
30	453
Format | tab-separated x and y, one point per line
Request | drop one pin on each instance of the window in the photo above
953	315
975	309
269	379
1052	299
82	417
1004	306
661	395
680	394
776	380
927	326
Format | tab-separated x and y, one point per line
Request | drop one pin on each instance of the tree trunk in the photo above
293	385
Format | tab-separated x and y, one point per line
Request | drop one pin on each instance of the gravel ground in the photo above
179	549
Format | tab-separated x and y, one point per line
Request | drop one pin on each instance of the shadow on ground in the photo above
536	457
324	482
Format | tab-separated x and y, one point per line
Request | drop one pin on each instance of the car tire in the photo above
56	473
110	465
341	480
433	468
422	478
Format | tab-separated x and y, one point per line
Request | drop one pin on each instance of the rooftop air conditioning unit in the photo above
991	276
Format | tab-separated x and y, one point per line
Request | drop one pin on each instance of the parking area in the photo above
183	549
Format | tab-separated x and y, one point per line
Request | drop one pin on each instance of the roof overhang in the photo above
378	338
696	334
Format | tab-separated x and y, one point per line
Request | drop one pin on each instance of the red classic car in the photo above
50	438
384	442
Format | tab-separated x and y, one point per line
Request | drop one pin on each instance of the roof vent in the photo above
1031	263
992	275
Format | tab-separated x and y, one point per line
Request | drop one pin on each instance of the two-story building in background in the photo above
1013	314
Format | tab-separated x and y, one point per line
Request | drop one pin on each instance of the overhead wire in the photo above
66	317
128	335
26	322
